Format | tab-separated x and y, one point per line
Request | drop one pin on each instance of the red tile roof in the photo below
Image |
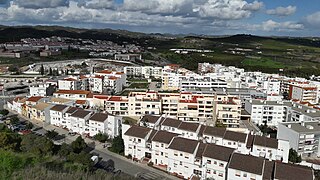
72	92
34	98
81	101
105	72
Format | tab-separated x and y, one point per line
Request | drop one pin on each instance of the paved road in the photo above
125	165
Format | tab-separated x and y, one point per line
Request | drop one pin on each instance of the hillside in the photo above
296	56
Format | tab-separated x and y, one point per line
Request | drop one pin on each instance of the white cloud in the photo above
228	9
177	16
271	25
38	4
167	7
314	19
254	6
97	4
282	11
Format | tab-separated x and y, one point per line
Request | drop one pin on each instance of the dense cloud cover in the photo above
173	16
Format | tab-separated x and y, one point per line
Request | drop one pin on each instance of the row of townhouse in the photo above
183	106
104	81
274	112
143	71
244	143
84	121
228	158
66	114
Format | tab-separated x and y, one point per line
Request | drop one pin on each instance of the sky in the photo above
210	17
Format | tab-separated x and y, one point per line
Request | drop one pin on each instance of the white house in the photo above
215	160
105	123
135	140
79	121
57	115
245	167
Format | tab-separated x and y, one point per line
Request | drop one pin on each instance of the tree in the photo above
29	125
101	137
14	120
9	141
41	70
4	112
38	145
64	150
293	156
78	145
117	145
13	68
51	134
50	71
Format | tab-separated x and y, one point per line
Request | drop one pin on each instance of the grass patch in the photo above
263	63
130	121
139	85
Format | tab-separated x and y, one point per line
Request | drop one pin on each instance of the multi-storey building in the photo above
196	82
303	137
304	92
143	71
274	112
42	90
228	111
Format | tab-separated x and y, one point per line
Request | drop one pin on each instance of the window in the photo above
229	143
161	153
175	154
208	161
215	162
161	145
181	154
139	140
208	171
220	174
186	157
221	164
244	174
238	173
180	163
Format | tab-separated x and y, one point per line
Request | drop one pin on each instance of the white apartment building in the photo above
70	83
271	86
274	112
196	82
303	137
144	103
42	90
269	112
143	71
